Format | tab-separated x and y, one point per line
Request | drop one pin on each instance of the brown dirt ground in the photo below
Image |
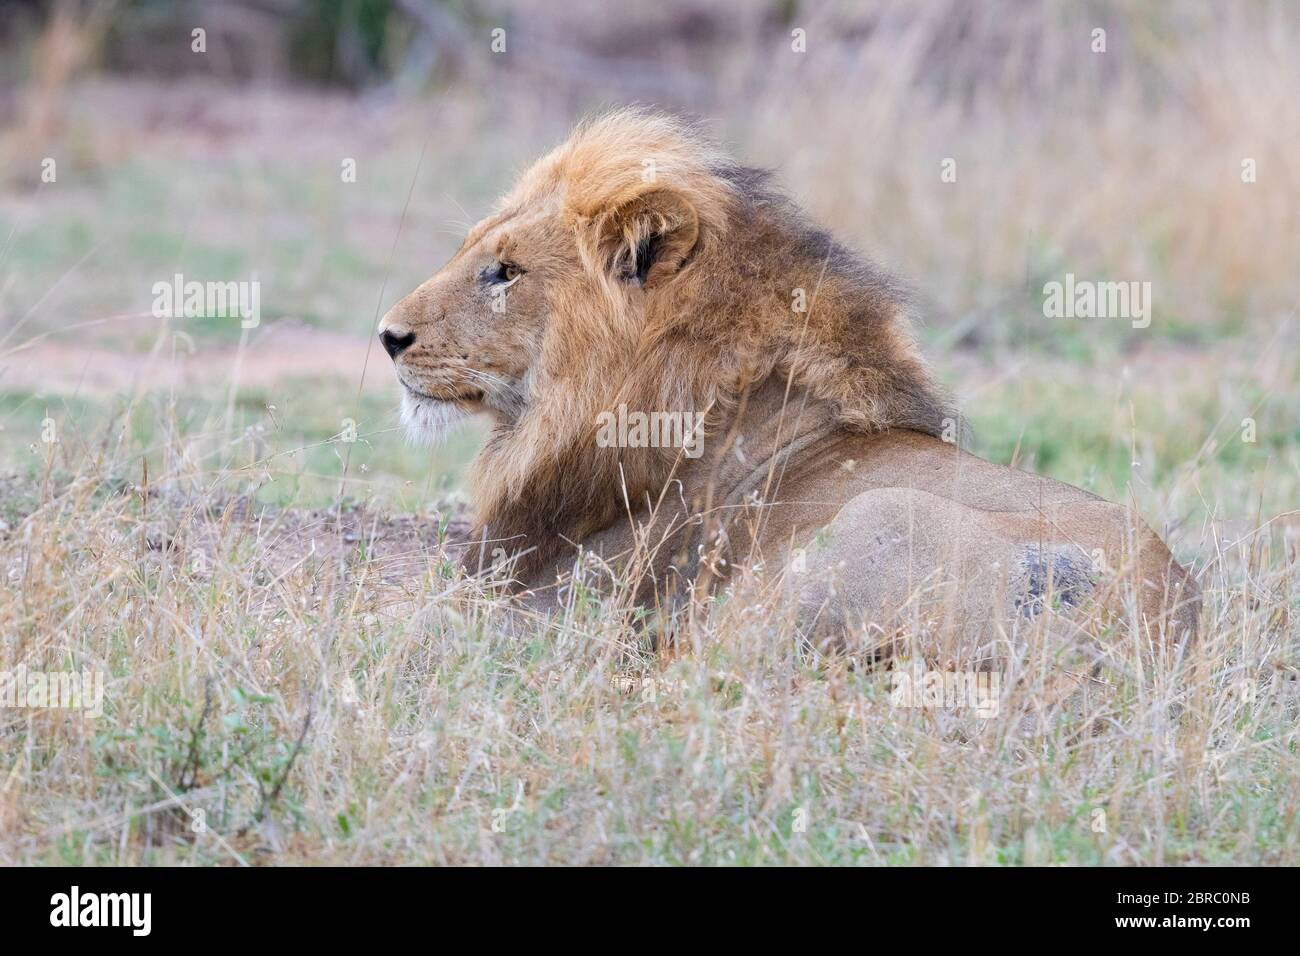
273	353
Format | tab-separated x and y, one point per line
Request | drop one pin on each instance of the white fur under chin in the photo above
429	421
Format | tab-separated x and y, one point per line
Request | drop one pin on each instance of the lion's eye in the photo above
502	272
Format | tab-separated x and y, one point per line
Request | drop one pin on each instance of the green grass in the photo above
288	443
106	233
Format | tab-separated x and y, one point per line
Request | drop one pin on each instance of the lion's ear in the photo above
648	239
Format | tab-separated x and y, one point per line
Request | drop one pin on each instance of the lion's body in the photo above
637	268
876	531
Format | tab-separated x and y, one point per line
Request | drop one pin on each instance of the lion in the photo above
638	274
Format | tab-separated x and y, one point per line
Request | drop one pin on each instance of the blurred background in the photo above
1115	140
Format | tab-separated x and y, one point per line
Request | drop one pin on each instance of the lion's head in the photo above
635	264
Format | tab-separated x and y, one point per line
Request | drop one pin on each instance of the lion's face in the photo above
470	339
546	301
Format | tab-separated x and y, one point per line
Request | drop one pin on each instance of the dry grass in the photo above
435	727
1126	163
288	649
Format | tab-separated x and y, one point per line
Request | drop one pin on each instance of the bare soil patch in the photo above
274	354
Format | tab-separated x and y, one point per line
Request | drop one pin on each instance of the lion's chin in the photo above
428	421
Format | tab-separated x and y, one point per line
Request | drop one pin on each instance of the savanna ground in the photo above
295	671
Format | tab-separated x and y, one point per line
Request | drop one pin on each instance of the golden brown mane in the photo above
721	265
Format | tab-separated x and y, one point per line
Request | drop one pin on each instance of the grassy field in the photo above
294	671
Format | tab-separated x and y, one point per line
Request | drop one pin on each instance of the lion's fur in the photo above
729	322
667	278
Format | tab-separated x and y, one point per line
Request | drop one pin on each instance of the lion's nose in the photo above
395	343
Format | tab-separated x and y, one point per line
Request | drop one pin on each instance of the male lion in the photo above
636	272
